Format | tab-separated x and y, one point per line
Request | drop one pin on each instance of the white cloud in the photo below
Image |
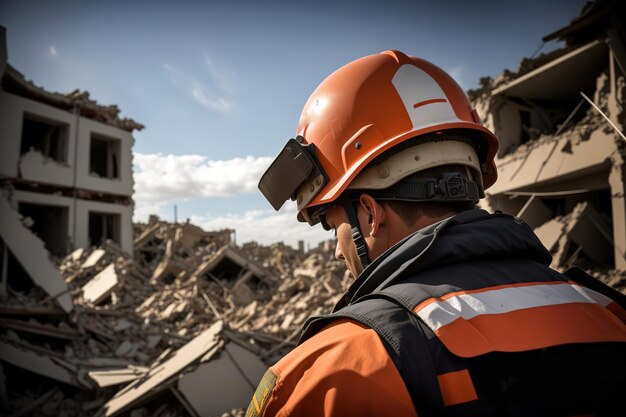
208	100
160	178
223	83
266	226
212	90
144	209
53	51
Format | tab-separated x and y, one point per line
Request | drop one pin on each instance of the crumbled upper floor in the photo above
14	82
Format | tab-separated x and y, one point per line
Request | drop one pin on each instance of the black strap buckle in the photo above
453	186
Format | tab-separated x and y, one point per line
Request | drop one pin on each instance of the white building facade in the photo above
68	163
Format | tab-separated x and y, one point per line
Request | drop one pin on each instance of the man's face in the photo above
346	250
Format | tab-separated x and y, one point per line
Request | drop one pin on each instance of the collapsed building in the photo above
562	159
186	326
68	161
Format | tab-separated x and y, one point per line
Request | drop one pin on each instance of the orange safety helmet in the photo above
364	109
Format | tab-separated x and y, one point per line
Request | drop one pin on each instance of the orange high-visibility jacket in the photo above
464	317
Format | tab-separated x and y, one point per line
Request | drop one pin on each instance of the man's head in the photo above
383	138
383	223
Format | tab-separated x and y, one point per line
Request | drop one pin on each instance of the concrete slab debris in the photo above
591	232
161	373
33	327
93	258
210	396
37	363
585	228
188	235
101	285
77	254
110	377
25	246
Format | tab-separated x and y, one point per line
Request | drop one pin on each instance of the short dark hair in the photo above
411	211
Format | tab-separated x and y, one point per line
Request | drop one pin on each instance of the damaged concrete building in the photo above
68	162
562	159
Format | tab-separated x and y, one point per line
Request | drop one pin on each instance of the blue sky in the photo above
220	85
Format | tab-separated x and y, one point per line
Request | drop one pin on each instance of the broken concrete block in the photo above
287	321
188	235
93	258
77	254
146	236
231	261
241	295
153	340
121	325
101	286
167	270
124	349
590	231
585	227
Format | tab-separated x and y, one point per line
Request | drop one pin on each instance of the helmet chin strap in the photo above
357	236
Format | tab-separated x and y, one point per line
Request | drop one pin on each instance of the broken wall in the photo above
56	201
76	135
78	233
29	251
539	101
555	147
122	224
71	155
119	158
33	166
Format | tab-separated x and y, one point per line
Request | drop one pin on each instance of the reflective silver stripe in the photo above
467	306
593	295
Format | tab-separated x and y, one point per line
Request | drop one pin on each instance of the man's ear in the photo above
375	212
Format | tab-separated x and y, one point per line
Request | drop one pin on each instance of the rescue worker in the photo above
453	311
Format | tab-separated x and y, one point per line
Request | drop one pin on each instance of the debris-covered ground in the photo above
133	318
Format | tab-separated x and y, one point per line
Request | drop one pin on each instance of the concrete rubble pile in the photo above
185	327
582	235
560	120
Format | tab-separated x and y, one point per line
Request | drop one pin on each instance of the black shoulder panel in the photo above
397	329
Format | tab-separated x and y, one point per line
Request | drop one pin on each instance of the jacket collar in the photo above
470	235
